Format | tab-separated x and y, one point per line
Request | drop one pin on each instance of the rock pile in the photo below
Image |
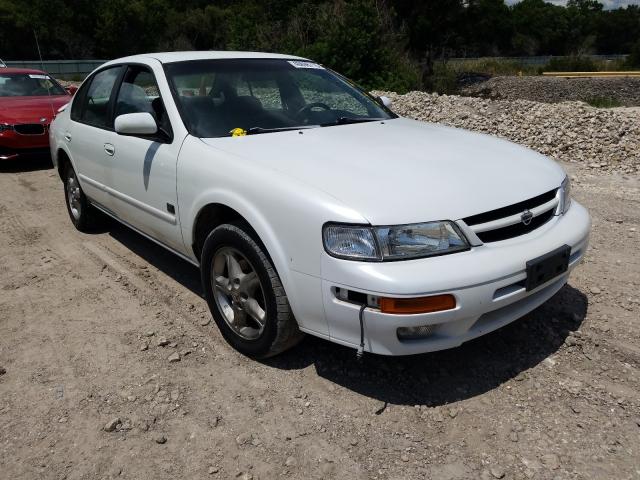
604	140
625	90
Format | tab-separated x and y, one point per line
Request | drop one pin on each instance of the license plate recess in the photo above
548	266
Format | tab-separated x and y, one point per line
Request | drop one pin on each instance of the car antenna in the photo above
53	113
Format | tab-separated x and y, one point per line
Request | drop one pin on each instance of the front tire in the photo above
82	214
245	295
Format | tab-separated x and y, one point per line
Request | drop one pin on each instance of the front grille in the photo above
543	207
30	129
515	230
511	209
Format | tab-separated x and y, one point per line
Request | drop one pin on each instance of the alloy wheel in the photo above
238	293
74	195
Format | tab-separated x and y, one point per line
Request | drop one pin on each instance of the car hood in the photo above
401	170
30	109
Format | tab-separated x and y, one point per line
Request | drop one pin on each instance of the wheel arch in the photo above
63	160
209	217
215	213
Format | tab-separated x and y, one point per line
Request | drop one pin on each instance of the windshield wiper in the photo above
257	130
348	120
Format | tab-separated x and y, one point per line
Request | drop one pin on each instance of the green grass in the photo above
446	74
582	64
604	102
493	66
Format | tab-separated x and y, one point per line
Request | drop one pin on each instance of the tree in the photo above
541	28
489	28
433	29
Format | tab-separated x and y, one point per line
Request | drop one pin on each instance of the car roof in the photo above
172	57
22	70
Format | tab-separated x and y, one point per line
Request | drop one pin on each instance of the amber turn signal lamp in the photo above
434	303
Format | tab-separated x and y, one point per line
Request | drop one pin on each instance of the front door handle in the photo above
67	137
109	149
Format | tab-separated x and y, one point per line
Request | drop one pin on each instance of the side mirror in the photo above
386	101
136	124
71	89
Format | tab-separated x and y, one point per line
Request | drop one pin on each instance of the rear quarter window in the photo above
78	98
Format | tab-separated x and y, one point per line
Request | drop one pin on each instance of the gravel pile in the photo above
553	90
603	140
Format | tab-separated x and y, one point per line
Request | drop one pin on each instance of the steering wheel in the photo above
307	108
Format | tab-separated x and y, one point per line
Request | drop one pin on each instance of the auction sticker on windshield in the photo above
301	64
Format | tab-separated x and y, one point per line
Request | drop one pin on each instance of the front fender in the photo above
287	215
253	215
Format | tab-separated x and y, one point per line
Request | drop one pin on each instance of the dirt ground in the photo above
83	319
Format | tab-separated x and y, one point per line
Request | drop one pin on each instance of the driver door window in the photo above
96	103
139	93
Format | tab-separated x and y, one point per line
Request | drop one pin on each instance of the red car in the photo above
29	100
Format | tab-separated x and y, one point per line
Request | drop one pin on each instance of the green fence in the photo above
58	67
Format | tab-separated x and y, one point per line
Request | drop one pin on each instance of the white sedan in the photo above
309	206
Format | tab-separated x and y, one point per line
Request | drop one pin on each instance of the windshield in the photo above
28	85
216	97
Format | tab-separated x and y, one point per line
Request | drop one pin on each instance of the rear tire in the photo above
245	295
82	214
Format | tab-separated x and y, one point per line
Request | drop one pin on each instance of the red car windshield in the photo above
28	85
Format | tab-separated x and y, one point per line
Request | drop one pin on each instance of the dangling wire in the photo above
360	352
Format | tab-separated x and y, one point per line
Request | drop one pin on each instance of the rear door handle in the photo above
109	149
67	137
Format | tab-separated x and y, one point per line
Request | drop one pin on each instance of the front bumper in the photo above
14	145
487	281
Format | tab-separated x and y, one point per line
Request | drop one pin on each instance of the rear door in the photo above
90	133
142	173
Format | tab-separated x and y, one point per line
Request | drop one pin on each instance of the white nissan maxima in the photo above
309	206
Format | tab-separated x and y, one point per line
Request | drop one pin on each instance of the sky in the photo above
607	3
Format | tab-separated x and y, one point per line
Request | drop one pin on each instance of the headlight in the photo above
565	195
393	243
4	127
353	242
419	240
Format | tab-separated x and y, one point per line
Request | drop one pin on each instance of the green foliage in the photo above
493	66
604	102
542	28
385	44
571	64
633	60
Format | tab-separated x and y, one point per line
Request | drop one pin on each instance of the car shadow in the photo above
432	379
168	263
26	164
447	376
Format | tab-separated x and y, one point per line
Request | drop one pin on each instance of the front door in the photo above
142	174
